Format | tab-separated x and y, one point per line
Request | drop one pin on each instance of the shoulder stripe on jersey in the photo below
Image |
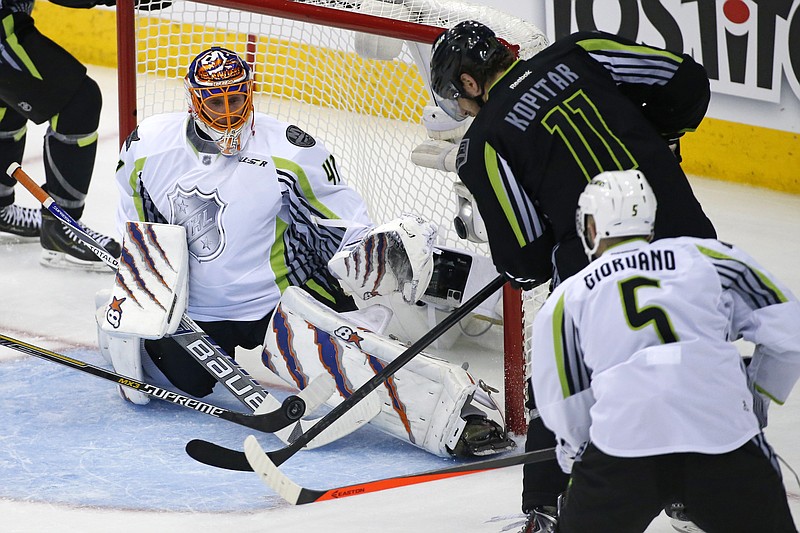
277	256
327	238
493	172
305	185
750	283
607	45
524	207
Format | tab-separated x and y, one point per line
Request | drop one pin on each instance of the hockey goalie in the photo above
431	403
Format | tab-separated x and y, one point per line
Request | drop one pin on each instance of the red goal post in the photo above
351	72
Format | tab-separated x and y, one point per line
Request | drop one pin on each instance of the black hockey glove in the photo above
522	283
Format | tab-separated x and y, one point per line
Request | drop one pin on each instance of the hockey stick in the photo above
266	422
298	495
190	336
221	457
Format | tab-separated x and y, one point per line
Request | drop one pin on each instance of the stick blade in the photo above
314	395
359	415
270	474
317	392
217	456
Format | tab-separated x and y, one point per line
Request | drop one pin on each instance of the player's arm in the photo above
521	240
766	313
671	88
318	200
560	379
134	200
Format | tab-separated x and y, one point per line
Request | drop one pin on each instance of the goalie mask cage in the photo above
353	74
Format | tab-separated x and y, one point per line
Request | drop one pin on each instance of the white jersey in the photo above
249	219
634	352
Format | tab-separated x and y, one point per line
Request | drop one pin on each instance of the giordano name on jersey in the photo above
652	260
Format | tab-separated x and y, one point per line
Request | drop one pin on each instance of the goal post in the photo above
353	73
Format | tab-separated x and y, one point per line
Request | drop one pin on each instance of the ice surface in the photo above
75	458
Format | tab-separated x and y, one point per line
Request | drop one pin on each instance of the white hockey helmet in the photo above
219	90
622	204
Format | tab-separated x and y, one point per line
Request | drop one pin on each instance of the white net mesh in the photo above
359	93
366	111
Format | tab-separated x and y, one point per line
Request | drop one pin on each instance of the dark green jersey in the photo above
589	103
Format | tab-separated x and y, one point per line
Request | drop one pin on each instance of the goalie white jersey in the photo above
249	219
427	402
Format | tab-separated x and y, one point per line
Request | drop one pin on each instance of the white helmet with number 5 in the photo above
622	204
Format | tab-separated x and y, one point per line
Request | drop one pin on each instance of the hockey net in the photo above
352	73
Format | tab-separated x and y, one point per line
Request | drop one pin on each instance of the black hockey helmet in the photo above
465	48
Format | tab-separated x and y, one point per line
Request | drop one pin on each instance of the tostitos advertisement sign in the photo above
750	48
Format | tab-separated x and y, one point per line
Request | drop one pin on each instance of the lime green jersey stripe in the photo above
493	171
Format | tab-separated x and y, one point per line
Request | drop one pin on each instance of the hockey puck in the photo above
294	407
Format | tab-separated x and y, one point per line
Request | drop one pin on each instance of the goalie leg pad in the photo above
429	402
123	352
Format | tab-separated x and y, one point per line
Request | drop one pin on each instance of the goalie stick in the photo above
221	457
266	422
189	335
298	495
205	351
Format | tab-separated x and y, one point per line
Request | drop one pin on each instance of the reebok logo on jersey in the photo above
519	80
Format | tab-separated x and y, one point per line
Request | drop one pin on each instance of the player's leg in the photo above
616	494
44	82
22	221
434	404
543	482
738	491
70	146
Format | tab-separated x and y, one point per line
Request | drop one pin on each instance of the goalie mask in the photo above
622	204
219	89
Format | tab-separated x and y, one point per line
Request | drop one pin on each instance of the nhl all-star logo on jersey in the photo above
298	137
201	215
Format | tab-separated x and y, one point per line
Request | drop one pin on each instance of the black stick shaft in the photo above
280	456
267	422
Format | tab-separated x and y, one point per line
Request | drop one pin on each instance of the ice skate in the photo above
61	247
22	221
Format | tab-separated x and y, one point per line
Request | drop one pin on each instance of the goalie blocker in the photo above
431	403
147	300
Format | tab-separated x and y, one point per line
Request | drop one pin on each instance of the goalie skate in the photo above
481	436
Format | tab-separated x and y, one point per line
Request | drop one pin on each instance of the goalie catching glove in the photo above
393	257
